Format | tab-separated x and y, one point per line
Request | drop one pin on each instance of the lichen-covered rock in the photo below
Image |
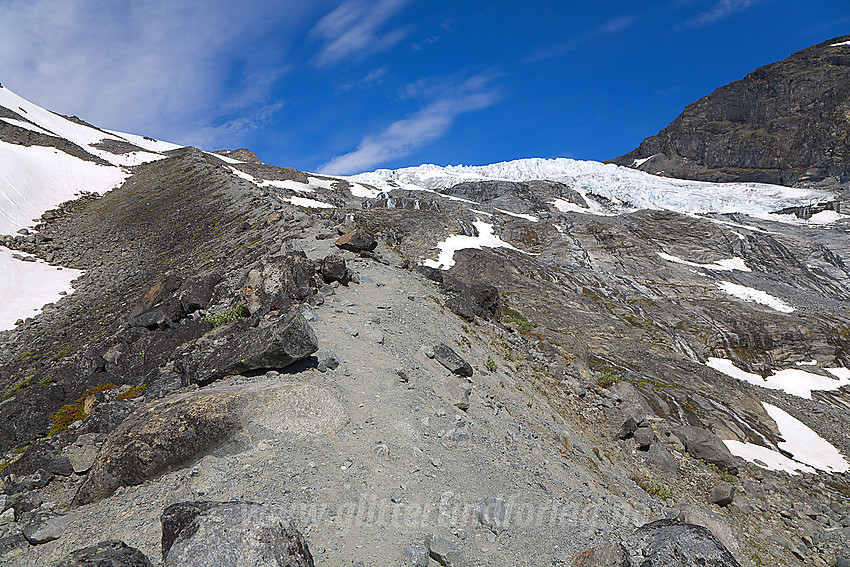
279	281
670	543
231	534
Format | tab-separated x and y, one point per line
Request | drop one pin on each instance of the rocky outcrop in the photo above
231	534
783	123
669	543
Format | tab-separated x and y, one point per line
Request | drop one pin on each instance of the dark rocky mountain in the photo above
262	366
784	123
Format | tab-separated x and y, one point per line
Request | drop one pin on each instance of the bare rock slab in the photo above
47	527
231	534
112	553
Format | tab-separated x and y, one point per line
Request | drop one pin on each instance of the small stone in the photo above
491	514
453	362
7	517
722	493
373	333
444	552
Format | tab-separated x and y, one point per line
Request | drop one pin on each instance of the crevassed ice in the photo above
631	188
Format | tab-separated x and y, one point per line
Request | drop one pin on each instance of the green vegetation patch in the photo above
17	387
133	392
235	313
655	488
69	413
491	365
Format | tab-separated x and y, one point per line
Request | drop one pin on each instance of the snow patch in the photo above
755	296
149	144
791	380
568	206
530	218
639	162
804	444
26	286
726	265
766	458
485	239
840	44
290	184
323	183
826	217
308	203
243	175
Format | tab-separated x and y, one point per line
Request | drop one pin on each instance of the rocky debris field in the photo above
240	381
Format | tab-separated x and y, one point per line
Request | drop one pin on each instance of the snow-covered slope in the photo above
36	178
628	189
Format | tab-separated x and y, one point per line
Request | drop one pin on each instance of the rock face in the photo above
783	123
231	534
111	553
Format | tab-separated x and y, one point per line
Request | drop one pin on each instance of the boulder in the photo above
606	555
175	430
333	269
670	543
44	527
705	445
112	553
161	290
231	534
722	493
446	356
279	281
416	554
240	348
358	240
644	437
444	552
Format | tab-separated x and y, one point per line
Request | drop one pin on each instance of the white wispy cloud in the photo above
354	30
722	10
611	27
155	67
434	120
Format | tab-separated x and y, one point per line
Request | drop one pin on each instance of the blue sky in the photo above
351	86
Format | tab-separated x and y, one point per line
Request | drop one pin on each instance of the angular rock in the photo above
83	452
644	437
660	458
327	360
241	348
277	282
446	356
358	240
627	429
444	552
416	554
7	517
333	269
605	555
373	333
112	553
231	534
702	444
670	543
161	290
46	527
722	493
491	514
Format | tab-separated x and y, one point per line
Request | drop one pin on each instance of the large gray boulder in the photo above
670	543
110	553
175	430
231	534
240	347
705	445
